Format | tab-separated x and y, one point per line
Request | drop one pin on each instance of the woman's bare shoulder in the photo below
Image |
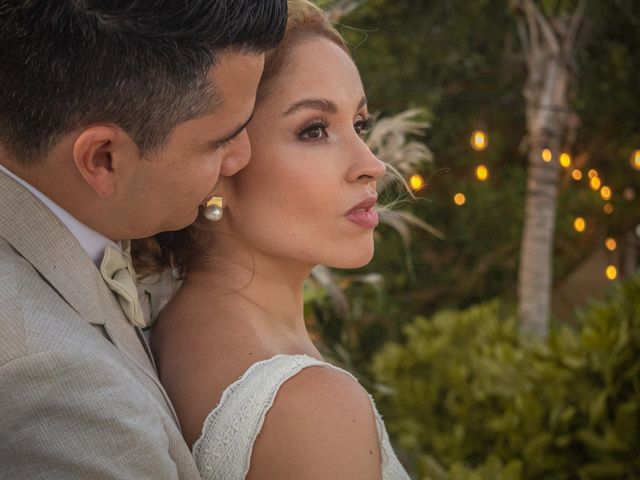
321	425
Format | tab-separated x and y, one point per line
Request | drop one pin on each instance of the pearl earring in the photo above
213	209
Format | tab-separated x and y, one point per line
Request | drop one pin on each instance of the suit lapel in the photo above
129	340
39	236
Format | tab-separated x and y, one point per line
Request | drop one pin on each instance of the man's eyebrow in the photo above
319	104
233	134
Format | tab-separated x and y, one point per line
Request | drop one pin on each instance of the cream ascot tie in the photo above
117	270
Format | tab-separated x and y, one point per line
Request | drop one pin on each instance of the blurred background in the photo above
498	326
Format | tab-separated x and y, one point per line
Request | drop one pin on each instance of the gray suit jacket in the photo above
79	396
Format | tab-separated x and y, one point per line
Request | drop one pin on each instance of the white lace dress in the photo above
223	451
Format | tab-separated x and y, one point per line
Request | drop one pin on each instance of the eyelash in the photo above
365	125
362	128
315	125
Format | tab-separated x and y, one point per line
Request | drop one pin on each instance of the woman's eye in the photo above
362	127
315	131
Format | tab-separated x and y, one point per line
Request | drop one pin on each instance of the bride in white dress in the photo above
254	396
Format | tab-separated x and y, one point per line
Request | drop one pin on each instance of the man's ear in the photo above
239	158
98	153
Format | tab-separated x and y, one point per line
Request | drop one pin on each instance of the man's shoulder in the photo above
34	318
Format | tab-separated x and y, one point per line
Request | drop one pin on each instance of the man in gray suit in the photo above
116	120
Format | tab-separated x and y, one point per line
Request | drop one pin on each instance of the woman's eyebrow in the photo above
312	104
318	104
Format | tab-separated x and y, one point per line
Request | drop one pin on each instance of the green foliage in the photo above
350	338
470	399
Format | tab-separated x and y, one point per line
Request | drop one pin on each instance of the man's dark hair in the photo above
140	64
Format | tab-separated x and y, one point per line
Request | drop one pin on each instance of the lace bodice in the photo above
223	451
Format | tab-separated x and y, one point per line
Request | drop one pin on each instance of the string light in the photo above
416	182
611	272
479	140
635	159
459	199
611	244
482	173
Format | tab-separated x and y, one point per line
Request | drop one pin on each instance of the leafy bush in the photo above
471	399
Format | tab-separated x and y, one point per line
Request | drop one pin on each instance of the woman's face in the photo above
309	191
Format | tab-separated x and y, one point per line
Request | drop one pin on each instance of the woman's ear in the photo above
100	154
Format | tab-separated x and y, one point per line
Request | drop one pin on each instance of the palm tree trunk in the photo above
629	255
548	46
545	131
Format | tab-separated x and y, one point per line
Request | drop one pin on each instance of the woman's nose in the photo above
366	166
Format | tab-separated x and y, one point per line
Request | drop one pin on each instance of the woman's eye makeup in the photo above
364	126
315	130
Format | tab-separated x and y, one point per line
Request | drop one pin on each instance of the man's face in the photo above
163	192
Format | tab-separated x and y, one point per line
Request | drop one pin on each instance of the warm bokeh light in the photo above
611	272
635	159
565	160
579	224
459	199
611	244
605	193
482	173
608	208
479	140
595	183
629	194
592	173
576	174
547	156
416	182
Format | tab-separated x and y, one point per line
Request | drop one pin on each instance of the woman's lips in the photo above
366	218
364	213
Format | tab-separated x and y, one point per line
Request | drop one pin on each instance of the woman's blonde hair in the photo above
184	249
304	20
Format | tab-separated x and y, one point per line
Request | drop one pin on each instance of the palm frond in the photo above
390	141
402	221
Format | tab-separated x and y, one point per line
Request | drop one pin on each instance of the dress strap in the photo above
224	449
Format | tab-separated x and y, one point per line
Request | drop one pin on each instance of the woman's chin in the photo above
356	260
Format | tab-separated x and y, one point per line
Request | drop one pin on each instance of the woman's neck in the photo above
250	285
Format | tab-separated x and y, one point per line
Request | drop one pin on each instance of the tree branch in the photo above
574	27
547	31
524	38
